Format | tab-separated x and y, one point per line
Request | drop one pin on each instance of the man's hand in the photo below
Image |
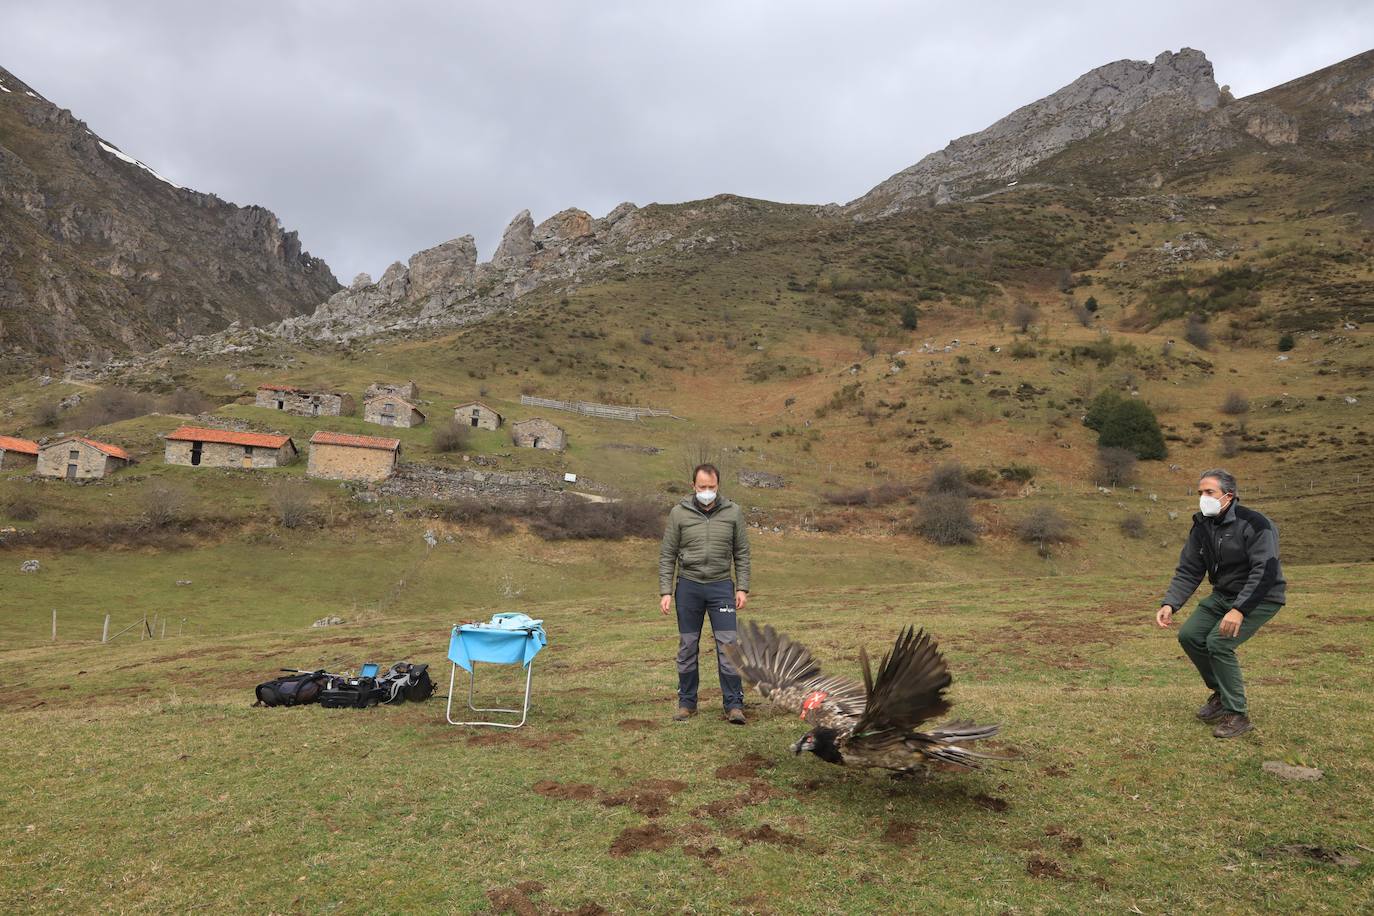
1164	616
741	599
1230	624
664	604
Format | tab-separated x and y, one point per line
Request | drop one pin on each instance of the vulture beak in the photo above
807	742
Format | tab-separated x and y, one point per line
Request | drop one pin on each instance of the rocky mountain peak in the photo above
1097	101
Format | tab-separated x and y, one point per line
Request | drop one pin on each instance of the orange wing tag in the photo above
813	701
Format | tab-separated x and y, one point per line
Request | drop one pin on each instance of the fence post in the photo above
54	624
164	628
105	630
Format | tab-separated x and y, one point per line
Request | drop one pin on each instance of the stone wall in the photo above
90	462
225	455
348	462
420	481
306	403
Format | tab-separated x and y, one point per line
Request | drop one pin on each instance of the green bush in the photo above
1131	425
909	317
1286	343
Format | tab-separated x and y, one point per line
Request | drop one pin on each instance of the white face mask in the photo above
1209	505
706	497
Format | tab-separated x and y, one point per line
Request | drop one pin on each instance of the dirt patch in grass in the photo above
571	791
1057	770
747	767
983	800
705	853
638	725
519	900
649	838
902	833
651	797
765	833
1312	853
1351	652
1041	867
1069	842
1273	680
534	741
722	808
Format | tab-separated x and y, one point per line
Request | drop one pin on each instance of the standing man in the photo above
704	535
1238	550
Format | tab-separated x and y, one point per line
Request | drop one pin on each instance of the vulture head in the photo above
821	742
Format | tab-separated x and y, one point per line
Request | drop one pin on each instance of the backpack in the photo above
406	682
350	693
292	690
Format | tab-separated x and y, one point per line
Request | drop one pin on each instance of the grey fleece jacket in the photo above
702	545
1238	551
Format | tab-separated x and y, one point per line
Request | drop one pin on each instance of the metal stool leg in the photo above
472	679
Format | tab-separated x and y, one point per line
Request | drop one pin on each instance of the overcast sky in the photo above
380	128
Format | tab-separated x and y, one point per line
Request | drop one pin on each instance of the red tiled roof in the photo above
228	436
324	437
113	451
15	444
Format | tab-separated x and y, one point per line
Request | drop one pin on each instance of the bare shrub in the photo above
188	401
1133	526
450	437
704	451
291	503
47	414
21	507
1235	404
164	503
1116	467
110	405
945	519
884	494
577	519
1024	314
1042	527
1197	334
1230	446
948	479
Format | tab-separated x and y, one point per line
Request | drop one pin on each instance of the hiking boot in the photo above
684	713
1232	725
1212	709
734	716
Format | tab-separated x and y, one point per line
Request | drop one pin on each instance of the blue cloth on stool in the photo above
507	639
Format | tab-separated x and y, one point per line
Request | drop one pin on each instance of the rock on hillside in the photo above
100	254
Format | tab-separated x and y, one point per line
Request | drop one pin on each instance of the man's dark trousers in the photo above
695	601
1214	654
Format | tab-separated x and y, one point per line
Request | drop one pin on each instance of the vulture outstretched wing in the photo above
910	688
789	677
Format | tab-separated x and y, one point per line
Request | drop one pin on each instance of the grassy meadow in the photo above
141	779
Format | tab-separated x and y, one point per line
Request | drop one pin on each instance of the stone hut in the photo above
18	454
79	458
537	432
305	403
407	390
343	456
477	415
225	448
390	410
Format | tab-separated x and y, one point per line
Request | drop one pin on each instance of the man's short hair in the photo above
709	469
1223	477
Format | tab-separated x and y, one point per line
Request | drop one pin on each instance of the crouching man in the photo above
1238	550
704	536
